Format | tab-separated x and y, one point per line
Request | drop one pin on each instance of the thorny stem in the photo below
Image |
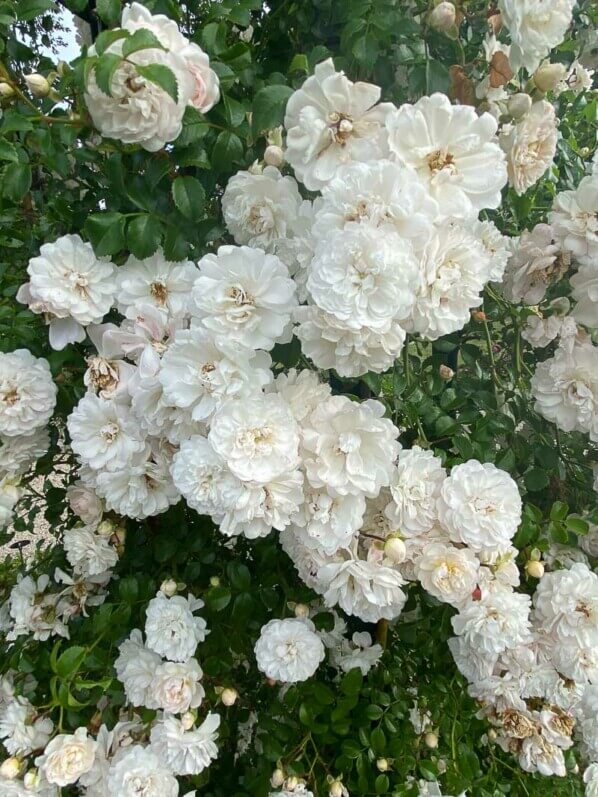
382	632
495	377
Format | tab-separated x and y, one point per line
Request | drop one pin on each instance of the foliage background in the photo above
59	177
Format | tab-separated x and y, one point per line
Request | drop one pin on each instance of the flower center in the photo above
11	396
159	291
439	160
341	127
109	432
348	442
240	296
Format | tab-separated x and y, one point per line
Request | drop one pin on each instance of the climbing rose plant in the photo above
299	372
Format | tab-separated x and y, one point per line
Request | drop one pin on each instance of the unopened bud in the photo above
291	783
395	550
229	696
446	372
431	740
188	720
274	156
478	315
31	780
169	587
37	85
519	104
255	168
10	768
443	17
105	528
547	76
277	778
534	569
382	764
6	90
336	789
492	735
301	610
214	581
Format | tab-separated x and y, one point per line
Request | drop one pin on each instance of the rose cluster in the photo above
186	399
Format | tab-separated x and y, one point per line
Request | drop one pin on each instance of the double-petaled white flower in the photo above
67	757
187	751
171	628
154	281
205	90
245	295
70	285
201	371
479	505
331	121
349	448
257	438
574	218
289	650
261	210
27	393
453	150
364	277
137	110
565	388
535	27
530	145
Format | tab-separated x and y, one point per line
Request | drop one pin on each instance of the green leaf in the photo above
144	235
382	784
195	127
108	11
218	598
105	68
352	682
268	108
535	479
142	39
106	231
8	151
69	661
239	575
559	511
227	149
577	525
162	76
128	589
189	196
16	181
108	37
299	63
29	9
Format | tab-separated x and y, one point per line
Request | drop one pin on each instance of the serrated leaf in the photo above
104	68
16	180
227	149
162	76
189	196
142	39
106	231
144	235
108	11
8	151
108	37
268	108
577	525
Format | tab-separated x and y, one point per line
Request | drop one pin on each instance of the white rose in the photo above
67	757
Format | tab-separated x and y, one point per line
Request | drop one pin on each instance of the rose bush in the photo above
299	367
